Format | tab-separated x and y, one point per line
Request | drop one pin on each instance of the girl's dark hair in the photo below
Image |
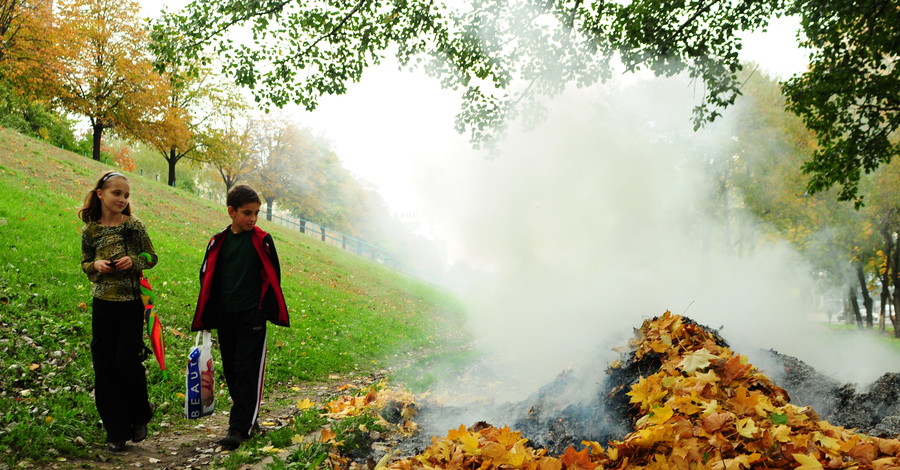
91	209
240	195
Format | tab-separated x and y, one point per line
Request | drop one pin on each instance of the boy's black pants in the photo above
120	380
242	343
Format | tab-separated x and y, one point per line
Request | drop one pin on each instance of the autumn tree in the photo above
193	102
840	243
26	33
504	54
229	149
28	66
883	210
278	145
106	73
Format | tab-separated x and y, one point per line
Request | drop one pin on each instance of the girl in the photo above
110	243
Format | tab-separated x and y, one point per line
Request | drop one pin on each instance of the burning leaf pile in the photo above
701	406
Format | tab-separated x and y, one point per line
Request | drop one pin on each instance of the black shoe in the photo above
140	433
231	441
117	446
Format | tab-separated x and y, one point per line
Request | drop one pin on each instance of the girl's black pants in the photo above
120	380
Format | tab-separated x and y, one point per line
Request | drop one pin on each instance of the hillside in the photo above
349	316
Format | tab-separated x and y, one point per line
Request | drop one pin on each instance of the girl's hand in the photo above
104	266
124	263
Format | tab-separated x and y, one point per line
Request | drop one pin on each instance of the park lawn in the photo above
349	315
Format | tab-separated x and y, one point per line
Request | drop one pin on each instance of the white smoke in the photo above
597	219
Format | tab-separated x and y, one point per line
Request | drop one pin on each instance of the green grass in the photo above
885	337
349	315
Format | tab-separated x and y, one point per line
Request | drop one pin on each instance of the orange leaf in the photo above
743	403
733	369
863	453
715	422
577	460
327	435
887	446
454	434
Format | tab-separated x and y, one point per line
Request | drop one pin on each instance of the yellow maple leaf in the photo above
887	463
516	456
710	407
696	360
647	437
764	406
829	443
703	378
469	443
594	446
454	434
781	433
660	414
746	427
687	404
494	451
444	450
508	438
807	462
550	464
304	404
647	391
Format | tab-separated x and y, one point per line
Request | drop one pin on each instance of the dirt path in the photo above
194	445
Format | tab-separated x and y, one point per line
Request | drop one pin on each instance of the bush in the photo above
35	119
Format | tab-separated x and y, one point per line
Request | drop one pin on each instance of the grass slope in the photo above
348	315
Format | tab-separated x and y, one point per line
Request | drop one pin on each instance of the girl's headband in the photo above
108	176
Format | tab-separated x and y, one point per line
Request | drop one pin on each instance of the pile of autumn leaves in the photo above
705	408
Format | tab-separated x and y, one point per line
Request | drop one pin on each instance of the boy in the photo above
240	288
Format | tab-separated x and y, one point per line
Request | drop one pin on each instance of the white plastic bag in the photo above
199	382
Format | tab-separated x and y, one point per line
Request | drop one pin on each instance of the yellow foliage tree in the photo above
105	71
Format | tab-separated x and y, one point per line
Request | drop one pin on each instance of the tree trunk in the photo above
895	276
854	307
868	303
172	159
887	276
98	137
885	299
269	203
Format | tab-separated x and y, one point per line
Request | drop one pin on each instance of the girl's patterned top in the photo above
111	243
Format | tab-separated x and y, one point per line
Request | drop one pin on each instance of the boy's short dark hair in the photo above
240	195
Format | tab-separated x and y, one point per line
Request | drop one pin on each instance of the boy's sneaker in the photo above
140	433
232	440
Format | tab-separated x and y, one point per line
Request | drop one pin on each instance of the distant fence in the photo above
335	238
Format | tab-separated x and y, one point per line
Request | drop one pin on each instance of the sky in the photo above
581	227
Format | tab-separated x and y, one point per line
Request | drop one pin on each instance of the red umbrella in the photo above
154	327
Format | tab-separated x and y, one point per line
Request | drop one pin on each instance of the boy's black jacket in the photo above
271	302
